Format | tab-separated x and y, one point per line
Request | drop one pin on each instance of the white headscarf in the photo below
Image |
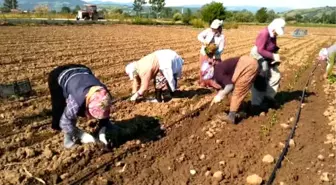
130	69
278	25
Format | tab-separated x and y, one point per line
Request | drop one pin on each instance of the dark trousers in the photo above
58	101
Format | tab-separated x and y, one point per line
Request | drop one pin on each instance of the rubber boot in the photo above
68	140
158	95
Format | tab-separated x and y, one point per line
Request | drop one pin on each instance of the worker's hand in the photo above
102	135
217	99
276	57
86	137
205	43
135	96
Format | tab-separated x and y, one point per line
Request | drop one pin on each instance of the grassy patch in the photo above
266	128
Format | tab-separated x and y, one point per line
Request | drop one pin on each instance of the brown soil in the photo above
159	143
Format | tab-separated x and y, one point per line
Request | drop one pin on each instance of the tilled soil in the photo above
162	143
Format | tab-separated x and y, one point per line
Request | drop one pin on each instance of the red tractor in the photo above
89	12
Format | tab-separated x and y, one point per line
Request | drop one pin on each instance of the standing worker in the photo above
212	35
266	53
164	66
75	91
328	55
234	75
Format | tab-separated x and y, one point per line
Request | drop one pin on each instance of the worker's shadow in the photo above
191	93
283	97
141	128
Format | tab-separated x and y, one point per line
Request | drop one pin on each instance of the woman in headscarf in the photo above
266	53
328	55
212	35
234	75
75	91
164	66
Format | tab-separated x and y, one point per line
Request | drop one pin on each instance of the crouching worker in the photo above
234	75
75	91
163	66
328	55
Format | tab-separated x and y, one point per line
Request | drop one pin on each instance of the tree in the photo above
213	11
65	9
76	9
157	6
10	4
261	15
186	17
167	12
41	9
118	11
138	6
298	17
271	15
242	16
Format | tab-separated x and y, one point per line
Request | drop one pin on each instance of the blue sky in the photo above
266	3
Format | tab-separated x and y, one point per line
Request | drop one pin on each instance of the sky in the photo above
266	3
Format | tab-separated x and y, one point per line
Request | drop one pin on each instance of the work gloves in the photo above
135	96
276	57
71	138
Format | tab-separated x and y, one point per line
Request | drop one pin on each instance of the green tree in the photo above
138	6
118	11
186	17
298	17
10	4
261	15
157	6
271	15
167	12
65	9
332	18
76	9
243	16
213	11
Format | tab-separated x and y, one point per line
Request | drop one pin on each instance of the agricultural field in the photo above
179	142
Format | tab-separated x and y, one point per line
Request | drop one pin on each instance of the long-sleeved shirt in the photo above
208	36
167	61
266	44
224	71
331	58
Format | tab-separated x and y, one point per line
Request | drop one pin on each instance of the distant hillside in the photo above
53	4
311	13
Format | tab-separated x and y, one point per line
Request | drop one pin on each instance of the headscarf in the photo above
278	25
98	101
130	70
323	54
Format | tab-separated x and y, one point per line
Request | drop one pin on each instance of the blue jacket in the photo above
77	82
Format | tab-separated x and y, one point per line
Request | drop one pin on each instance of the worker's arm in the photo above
261	45
69	116
221	45
331	64
136	84
201	37
223	93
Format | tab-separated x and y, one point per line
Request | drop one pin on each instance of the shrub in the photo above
197	23
177	17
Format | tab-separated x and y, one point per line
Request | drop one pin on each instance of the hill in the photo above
311	13
53	4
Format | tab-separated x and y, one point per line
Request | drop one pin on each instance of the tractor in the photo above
89	12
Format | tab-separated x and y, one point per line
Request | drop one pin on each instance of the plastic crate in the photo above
17	88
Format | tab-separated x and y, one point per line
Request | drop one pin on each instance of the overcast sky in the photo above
266	3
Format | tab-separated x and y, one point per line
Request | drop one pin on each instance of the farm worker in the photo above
75	91
329	55
212	35
164	66
266	53
234	75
